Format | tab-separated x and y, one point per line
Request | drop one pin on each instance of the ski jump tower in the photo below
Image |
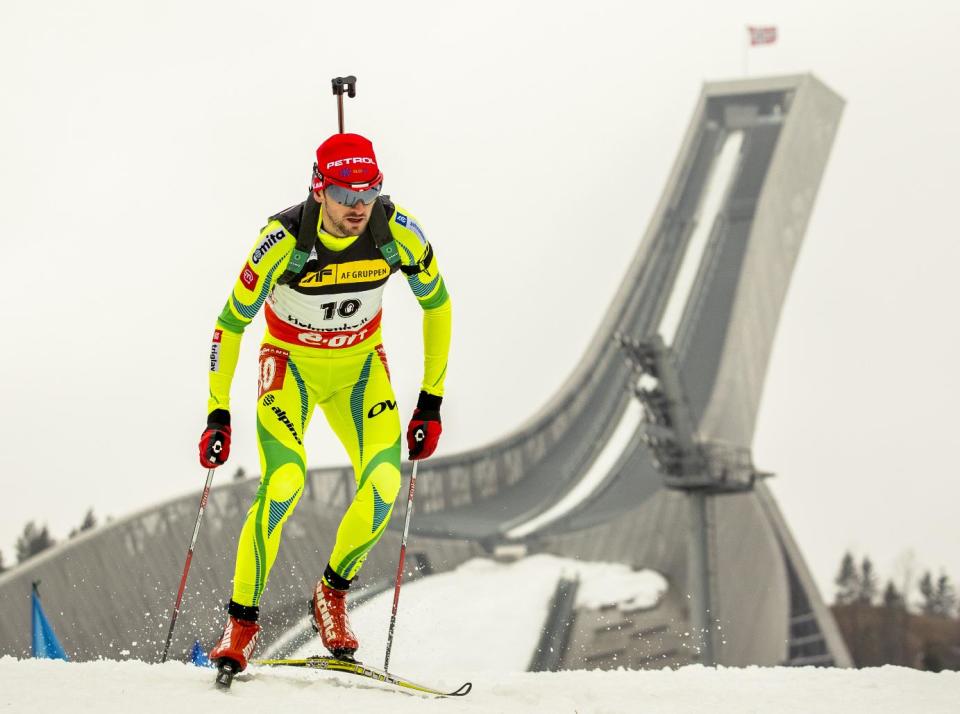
642	457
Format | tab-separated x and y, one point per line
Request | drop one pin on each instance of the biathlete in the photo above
319	269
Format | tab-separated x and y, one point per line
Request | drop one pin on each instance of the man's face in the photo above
343	221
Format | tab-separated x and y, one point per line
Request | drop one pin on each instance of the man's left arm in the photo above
427	284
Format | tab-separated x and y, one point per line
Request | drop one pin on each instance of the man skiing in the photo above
320	268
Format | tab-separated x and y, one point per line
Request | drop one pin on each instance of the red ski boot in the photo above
237	642
331	621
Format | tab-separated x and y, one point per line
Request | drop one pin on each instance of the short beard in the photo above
343	230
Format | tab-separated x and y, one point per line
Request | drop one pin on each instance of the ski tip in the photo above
463	691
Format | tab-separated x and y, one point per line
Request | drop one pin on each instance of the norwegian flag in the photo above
765	35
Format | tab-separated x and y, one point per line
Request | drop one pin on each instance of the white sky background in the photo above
143	145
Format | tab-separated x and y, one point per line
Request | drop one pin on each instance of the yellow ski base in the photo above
332	664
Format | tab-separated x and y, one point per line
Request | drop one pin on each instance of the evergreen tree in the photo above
89	521
929	593
868	589
892	597
2	566
32	541
239	474
946	596
847	581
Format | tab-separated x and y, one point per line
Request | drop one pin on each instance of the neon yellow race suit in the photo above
323	347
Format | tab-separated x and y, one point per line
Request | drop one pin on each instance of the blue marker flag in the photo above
45	642
198	656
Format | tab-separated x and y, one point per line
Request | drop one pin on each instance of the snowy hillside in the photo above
121	687
499	609
444	638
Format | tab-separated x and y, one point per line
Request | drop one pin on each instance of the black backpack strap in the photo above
305	228
387	243
379	228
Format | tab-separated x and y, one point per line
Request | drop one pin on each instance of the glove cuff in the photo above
218	417
429	402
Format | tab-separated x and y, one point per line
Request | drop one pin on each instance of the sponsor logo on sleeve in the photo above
401	219
215	351
271	240
249	278
416	229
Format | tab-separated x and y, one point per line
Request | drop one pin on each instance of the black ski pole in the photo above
341	84
186	566
403	556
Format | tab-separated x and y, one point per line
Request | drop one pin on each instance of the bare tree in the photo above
905	569
929	594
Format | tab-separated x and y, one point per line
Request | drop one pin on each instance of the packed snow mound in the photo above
484	616
106	687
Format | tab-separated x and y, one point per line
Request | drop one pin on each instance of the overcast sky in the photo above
145	143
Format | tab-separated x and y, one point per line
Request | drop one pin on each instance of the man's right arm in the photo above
265	264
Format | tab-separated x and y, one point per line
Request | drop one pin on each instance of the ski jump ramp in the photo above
579	479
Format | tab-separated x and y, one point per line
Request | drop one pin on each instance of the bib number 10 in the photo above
345	308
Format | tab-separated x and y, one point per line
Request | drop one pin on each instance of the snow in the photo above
603	584
108	687
597	473
499	608
478	623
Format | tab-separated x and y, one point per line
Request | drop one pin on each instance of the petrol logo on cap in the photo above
351	160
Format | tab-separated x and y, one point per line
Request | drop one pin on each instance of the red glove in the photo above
424	429
215	441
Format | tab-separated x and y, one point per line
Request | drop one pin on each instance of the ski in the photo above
332	664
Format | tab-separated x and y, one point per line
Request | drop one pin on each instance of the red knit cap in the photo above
347	160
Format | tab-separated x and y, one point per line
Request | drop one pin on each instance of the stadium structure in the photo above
642	457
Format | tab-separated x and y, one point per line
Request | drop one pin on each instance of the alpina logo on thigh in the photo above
273	369
285	420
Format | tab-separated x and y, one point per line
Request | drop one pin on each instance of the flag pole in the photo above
746	54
